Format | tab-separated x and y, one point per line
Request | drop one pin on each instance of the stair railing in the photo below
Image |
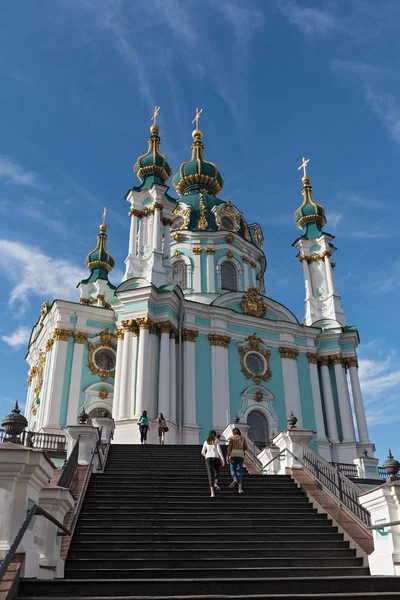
343	491
35	510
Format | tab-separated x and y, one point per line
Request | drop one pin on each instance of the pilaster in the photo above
291	382
54	390
189	377
76	374
165	329
328	400
142	384
118	372
220	379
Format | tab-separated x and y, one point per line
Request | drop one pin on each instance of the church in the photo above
190	331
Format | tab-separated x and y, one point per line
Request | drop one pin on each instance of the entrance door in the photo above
258	430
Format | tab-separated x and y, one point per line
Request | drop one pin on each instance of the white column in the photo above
220	379
126	371
197	269
54	389
358	401
118	371
307	278
157	228
328	400
43	395
329	276
246	273
210	269
172	377
253	273
76	373
167	239
316	393
133	374
133	233
291	383
152	366
346	416
164	369
140	236
189	377
142	384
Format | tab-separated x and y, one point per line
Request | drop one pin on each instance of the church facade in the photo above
189	332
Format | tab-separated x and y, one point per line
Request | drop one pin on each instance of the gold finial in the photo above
304	165
197	117
154	117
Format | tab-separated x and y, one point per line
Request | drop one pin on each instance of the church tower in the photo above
315	251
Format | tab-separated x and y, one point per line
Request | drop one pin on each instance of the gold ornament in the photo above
80	337
134	212
288	352
258	235
164	327
177	253
324	360
255	344
229	238
337	359
197	250
229	254
352	361
203	223
103	393
183	212
87	301
210	250
246	260
49	344
61	335
43	312
227	210
219	340
252	303
119	332
106	339
312	358
253	264
190	335
258	396
178	237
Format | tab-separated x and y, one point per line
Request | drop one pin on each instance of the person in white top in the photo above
214	458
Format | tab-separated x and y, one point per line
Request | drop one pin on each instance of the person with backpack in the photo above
144	427
214	458
162	428
235	457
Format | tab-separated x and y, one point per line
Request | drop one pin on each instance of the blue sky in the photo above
277	80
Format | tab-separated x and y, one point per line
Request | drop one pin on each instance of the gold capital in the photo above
119	332
80	337
288	352
210	250
245	259
197	250
337	359
312	358
128	325
61	335
135	212
324	360
165	327
219	340
253	264
352	361
190	335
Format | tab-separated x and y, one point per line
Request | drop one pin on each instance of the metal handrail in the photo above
70	467
383	525
361	515
35	510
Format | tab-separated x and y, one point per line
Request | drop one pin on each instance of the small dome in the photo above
100	258
153	163
198	173
310	212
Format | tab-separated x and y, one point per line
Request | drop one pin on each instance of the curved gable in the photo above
275	310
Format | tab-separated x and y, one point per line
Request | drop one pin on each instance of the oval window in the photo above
105	359
227	223
255	363
177	223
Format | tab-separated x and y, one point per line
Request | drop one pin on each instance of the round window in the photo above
177	223
227	223
255	363
105	359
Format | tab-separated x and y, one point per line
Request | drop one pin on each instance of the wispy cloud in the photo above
243	20
309	20
387	109
380	381
34	274
335	218
11	172
362	200
35	210
17	339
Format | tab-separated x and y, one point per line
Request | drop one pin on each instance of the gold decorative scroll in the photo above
252	303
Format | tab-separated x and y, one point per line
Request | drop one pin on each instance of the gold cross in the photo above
197	117
104	215
304	165
154	117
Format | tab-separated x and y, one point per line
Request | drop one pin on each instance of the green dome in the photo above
100	260
198	174
199	211
310	214
153	163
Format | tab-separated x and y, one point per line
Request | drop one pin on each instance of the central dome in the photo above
198	174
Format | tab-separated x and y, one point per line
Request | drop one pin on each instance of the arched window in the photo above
228	276
179	274
258	430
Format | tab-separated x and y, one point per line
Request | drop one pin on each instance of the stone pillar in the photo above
189	377
23	474
367	467
88	438
133	232
322	443
132	394
76	371
362	427
57	501
329	275
167	239
291	382
118	370
164	369
172	378
291	439
153	357
56	379
142	384
383	504
346	416
210	270
157	227
126	370
220	379
328	400
197	268
271	453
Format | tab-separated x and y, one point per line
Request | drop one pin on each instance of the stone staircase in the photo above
148	529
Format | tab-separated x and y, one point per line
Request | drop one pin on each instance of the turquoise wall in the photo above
100	325
250	330
323	401
301	341
203	386
66	382
203	271
201	321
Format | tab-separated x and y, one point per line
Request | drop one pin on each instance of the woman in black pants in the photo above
214	458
